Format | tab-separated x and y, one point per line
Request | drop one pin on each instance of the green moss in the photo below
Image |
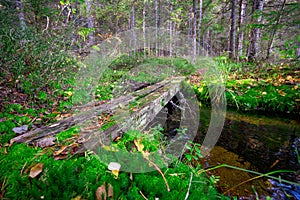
67	133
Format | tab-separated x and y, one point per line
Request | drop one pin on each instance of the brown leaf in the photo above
110	192
36	170
56	153
101	192
60	157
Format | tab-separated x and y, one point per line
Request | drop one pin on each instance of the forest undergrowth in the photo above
55	173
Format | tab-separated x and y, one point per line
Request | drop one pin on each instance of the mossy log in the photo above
140	108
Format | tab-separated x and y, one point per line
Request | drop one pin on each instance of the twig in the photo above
143	195
176	106
47	26
157	168
188	192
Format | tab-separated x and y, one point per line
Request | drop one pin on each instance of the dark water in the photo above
256	143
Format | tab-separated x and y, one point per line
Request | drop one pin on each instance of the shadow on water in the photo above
256	143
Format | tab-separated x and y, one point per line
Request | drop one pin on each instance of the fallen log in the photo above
152	99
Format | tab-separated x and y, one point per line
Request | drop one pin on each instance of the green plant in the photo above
194	152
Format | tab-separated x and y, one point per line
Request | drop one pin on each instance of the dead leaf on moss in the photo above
60	157
101	192
36	170
110	192
138	143
115	168
56	153
77	198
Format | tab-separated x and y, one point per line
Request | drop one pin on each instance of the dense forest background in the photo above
244	30
41	30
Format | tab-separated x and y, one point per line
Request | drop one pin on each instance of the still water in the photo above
257	143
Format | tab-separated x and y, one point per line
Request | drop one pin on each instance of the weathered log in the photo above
152	96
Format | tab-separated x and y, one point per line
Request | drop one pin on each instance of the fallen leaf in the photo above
138	143
110	192
281	93
21	129
69	93
114	167
289	78
60	157
115	173
36	170
101	192
56	153
77	198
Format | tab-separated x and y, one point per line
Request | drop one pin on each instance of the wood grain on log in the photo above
151	96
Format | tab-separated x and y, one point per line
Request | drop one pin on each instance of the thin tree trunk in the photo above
194	30
132	26
232	30
171	28
144	27
210	34
90	20
19	6
200	23
190	29
243	6
156	27
255	32
273	31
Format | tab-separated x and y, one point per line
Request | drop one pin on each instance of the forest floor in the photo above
54	172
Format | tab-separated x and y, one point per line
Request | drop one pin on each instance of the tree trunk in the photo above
194	30
156	27
255	32
132	26
273	31
144	27
171	28
242	15
19	6
232	30
190	30
90	20
199	24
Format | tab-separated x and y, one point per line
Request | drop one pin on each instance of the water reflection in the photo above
256	143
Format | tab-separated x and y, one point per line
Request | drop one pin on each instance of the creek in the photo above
257	143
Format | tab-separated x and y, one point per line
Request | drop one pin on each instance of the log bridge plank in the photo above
153	98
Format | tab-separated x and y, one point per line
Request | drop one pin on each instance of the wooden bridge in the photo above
136	110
